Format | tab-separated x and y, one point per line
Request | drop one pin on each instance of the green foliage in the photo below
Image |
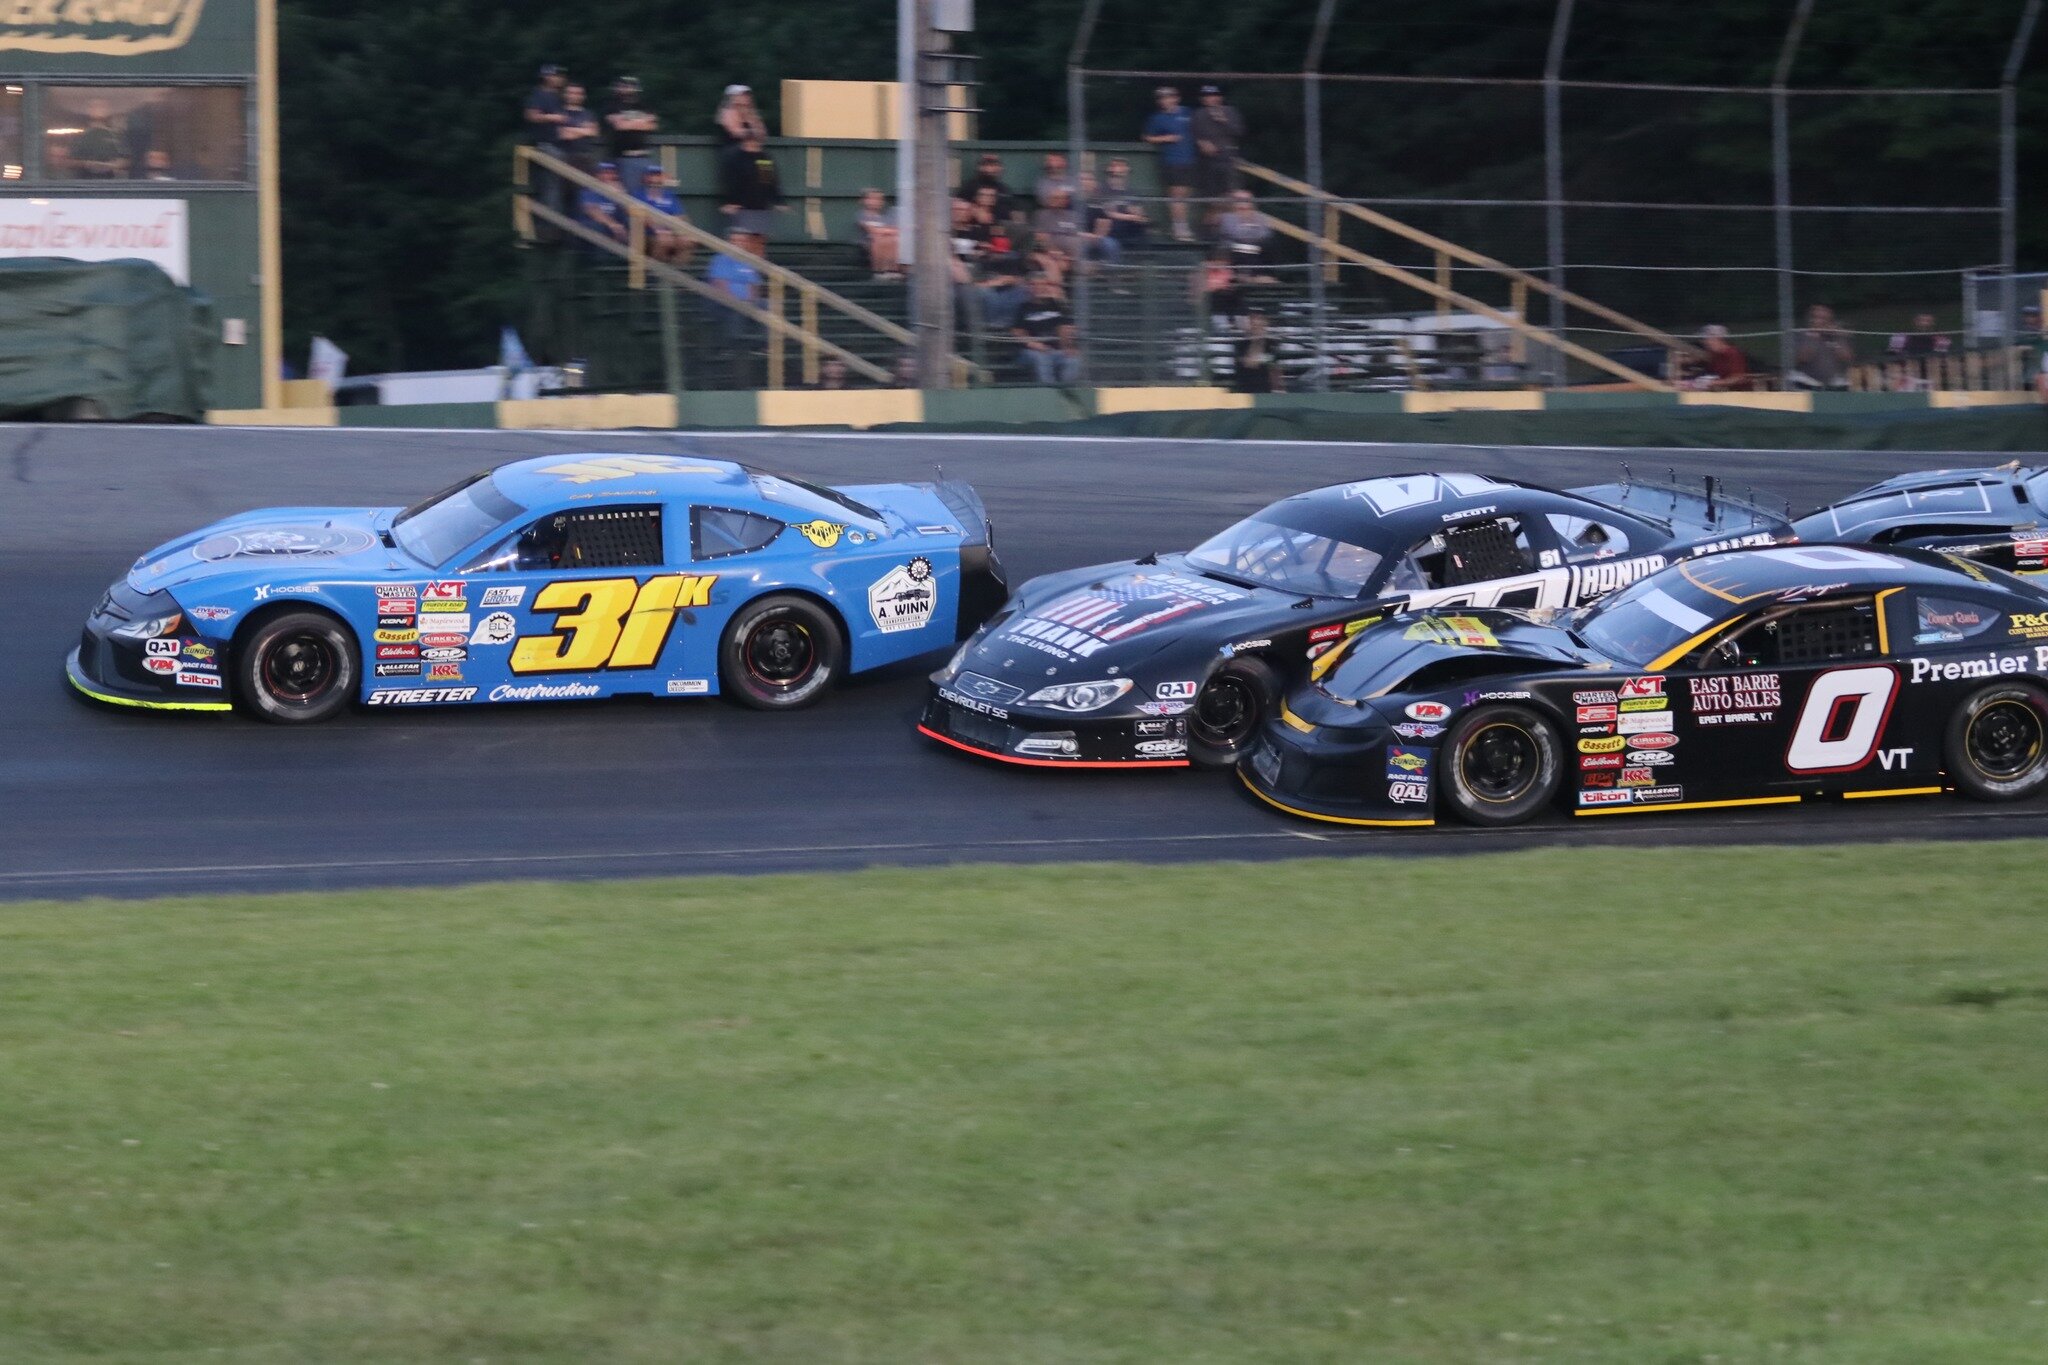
1600	1106
398	116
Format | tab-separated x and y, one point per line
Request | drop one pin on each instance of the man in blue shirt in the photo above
738	280
1168	130
664	243
599	212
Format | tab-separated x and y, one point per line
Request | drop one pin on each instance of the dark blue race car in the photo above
561	577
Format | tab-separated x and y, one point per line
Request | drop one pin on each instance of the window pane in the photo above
720	531
10	132
143	132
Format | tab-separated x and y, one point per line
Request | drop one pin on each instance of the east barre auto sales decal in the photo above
904	598
1075	625
1737	699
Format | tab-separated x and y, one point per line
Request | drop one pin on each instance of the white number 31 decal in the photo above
1843	719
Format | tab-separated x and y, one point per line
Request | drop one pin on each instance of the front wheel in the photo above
779	653
1229	710
1499	765
1996	747
298	667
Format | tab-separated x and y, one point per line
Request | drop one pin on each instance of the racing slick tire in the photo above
780	652
1499	765
1229	710
1996	746
297	667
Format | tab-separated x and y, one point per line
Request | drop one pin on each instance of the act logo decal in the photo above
1652	686
608	622
821	533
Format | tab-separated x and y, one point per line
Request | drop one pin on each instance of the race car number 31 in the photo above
608	622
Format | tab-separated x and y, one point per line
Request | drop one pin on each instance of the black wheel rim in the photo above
2005	739
1226	712
299	668
1500	762
779	653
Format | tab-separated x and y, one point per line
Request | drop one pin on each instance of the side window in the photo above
716	532
1474	553
1945	620
1821	633
592	538
1582	538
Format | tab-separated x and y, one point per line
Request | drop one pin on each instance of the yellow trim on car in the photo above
1677	652
1895	791
1330	819
1884	640
112	700
1691	805
1289	718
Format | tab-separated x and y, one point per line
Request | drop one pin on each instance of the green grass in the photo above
1586	1106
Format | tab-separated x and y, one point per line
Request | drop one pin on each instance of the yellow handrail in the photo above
1470	304
1467	255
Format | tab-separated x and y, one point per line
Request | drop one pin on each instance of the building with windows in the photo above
149	130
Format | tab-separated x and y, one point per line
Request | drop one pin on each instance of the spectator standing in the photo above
629	125
988	174
1219	132
598	212
1054	179
876	225
738	280
578	138
544	107
1725	367
1822	353
1050	347
1128	221
1254	370
737	119
1169	130
664	243
752	187
1244	230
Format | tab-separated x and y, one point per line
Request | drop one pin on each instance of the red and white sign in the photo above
1654	741
1652	686
98	230
445	591
1429	710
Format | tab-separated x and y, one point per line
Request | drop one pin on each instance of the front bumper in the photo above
1357	787
178	671
1042	739
78	671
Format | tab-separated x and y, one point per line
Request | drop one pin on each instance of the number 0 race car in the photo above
1992	515
1172	658
1757	677
558	577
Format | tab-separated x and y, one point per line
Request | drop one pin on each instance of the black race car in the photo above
1994	516
1751	678
1171	658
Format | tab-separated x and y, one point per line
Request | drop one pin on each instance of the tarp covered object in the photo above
118	333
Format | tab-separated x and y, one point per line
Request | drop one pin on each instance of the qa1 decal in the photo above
609	623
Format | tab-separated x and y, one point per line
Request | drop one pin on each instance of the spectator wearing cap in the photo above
629	124
1219	132
876	225
664	243
543	116
1169	130
578	137
599	212
1724	367
1051	348
752	187
737	118
988	174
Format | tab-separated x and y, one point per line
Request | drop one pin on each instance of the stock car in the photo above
1178	658
1991	515
1757	677
559	577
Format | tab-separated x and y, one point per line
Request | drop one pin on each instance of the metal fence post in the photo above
1312	137
1077	144
1781	183
1553	174
2008	184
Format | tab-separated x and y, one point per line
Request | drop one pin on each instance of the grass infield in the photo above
1571	1105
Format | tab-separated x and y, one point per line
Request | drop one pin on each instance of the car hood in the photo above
1087	621
296	542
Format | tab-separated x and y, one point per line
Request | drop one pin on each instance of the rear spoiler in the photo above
964	503
1706	509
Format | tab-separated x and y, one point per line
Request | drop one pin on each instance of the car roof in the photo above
1746	575
1402	510
548	478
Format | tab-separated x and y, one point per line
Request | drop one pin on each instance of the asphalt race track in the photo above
100	801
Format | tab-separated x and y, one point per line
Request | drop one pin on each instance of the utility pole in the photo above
928	108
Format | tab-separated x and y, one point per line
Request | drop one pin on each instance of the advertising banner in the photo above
98	230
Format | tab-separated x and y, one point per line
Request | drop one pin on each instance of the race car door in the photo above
577	604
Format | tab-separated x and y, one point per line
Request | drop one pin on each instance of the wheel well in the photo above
823	604
273	609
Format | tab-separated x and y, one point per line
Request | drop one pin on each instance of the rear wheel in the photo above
1228	711
1499	765
779	653
1997	744
297	667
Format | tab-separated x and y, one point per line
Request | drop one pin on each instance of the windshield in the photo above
1275	556
1649	619
434	530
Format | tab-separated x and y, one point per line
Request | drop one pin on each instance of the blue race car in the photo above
565	576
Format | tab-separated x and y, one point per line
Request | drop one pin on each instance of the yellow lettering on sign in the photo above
623	467
137	26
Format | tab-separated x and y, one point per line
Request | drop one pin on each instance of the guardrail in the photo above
641	218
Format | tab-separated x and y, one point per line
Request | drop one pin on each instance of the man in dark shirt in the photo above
96	153
1218	131
988	173
752	188
629	125
1048	336
1127	217
664	243
578	139
544	107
